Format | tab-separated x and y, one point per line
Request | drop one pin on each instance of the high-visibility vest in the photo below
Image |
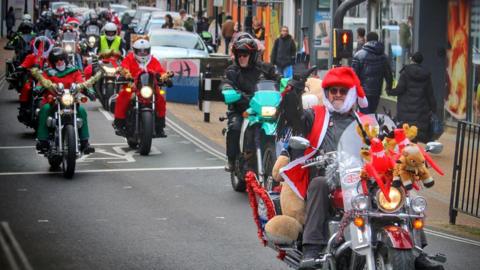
114	47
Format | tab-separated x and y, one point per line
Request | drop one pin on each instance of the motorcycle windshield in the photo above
349	166
69	36
144	79
92	30
267	97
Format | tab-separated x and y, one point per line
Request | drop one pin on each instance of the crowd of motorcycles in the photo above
366	231
81	43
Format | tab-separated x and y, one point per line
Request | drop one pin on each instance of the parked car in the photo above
120	9
169	43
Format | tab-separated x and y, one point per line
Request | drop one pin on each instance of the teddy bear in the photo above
313	94
284	229
411	167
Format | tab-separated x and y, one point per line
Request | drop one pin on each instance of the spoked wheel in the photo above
109	91
269	158
146	132
388	258
237	175
69	151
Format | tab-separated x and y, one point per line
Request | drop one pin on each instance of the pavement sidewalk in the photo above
438	197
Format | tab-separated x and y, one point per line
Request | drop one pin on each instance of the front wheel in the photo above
237	176
109	91
388	258
269	159
146	132
69	151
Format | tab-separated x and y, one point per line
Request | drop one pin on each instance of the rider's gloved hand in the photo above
90	93
38	90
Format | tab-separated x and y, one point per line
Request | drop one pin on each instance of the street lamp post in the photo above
249	17
239	8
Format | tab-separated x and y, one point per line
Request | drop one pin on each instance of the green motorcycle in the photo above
259	118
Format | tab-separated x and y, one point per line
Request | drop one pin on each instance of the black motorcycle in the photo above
20	43
140	121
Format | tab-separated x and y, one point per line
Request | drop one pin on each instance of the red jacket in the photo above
32	60
69	76
131	64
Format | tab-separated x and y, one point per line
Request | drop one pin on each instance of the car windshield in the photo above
169	39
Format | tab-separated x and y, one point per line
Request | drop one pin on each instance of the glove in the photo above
90	93
38	90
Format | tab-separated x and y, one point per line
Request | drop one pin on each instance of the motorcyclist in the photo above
243	75
93	20
20	42
323	126
110	41
133	64
61	72
47	25
41	49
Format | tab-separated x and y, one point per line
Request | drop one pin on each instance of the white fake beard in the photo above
61	68
348	103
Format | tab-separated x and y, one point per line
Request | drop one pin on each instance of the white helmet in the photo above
110	30
27	18
141	50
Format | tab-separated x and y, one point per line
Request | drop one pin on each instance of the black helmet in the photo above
245	46
25	28
57	54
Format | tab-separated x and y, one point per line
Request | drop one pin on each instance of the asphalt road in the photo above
174	209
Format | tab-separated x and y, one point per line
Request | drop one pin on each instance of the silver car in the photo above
169	43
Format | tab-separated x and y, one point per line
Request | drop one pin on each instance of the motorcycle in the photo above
261	118
30	117
20	43
140	121
370	229
69	44
106	87
63	128
89	45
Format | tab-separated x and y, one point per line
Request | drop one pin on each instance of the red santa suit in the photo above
124	97
67	77
295	176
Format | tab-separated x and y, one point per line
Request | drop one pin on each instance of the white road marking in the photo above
220	217
452	237
161	219
43	221
201	144
107	115
33	146
127	187
22	190
209	168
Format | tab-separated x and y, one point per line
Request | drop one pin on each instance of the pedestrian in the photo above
211	30
416	101
372	67
360	38
10	21
168	22
126	20
202	24
284	50
227	32
258	30
188	22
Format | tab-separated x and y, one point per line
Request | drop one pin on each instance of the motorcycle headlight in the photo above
67	99
419	204
146	91
68	48
269	111
360	202
109	70
397	199
91	41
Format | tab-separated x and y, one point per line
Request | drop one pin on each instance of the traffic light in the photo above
342	43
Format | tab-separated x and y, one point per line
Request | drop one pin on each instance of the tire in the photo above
132	143
146	132
388	258
237	176
109	91
269	159
70	153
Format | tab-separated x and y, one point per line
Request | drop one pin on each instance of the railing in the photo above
465	194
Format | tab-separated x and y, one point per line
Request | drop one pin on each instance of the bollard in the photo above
207	94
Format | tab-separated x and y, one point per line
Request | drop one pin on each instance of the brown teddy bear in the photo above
411	167
284	229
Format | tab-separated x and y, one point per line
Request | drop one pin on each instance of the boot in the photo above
310	253
43	146
119	126
230	165
159	127
423	263
86	148
23	112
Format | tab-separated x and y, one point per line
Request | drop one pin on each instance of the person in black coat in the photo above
416	100
10	21
284	50
372	67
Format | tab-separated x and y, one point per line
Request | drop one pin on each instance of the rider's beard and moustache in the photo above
339	103
61	65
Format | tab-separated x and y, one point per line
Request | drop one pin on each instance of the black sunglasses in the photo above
334	91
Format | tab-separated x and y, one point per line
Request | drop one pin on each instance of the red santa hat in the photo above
346	77
72	20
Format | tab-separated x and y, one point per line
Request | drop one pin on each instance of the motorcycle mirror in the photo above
434	147
298	143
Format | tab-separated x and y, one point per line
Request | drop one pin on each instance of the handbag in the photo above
436	127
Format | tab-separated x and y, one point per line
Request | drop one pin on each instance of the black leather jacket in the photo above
372	66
